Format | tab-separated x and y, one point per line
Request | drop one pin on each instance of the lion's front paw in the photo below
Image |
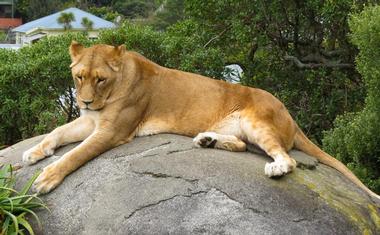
279	167
49	179
205	140
33	155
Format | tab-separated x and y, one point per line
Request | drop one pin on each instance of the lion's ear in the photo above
120	50
75	50
116	61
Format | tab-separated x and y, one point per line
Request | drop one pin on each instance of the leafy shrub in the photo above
185	50
36	88
355	139
178	48
142	39
15	206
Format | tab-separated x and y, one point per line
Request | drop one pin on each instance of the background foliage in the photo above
35	89
355	139
301	51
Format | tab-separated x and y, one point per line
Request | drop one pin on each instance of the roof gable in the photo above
50	21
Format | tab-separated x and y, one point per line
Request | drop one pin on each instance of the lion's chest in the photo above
93	115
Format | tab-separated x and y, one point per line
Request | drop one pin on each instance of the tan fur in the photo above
129	95
304	144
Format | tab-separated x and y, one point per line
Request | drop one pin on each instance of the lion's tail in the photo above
305	145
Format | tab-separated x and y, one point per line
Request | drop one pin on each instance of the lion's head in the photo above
95	72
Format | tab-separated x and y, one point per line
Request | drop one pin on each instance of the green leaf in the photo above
6	224
14	219
4	174
8	189
25	224
27	186
10	202
15	205
33	214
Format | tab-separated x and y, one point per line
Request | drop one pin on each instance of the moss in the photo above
338	195
374	215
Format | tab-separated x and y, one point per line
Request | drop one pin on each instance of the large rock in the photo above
162	185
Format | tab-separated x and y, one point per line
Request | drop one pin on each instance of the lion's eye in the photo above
100	80
79	78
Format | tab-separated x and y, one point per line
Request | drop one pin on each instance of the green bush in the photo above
15	206
179	47
355	139
35	88
142	39
184	49
3	36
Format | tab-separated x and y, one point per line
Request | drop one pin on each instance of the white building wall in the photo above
29	38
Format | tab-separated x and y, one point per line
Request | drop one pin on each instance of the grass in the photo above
15	206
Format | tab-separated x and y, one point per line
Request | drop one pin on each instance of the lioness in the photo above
121	95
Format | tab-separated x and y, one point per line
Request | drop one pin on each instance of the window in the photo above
5	11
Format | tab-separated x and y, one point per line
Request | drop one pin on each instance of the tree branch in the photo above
328	64
277	37
217	36
315	57
331	53
283	8
62	105
252	51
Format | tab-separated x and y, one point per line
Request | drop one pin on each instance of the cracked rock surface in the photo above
162	185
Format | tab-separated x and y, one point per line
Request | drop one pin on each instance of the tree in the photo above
168	13
135	8
65	19
34	9
297	50
87	23
355	139
104	12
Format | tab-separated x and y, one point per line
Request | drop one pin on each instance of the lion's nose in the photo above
87	102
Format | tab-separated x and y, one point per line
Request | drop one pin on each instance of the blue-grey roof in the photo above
50	21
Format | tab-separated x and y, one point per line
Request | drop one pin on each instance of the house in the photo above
7	19
9	23
10	46
48	26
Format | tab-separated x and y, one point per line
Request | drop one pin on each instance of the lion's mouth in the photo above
90	106
90	109
87	107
